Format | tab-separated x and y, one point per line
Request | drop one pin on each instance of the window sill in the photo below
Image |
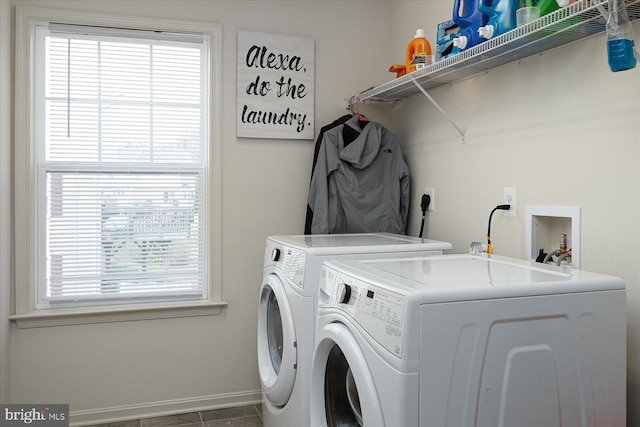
87	315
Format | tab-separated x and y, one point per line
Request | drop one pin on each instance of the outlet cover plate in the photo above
432	193
510	199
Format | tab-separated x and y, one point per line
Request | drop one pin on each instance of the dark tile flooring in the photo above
242	416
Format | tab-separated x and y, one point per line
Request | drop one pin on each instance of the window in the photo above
125	188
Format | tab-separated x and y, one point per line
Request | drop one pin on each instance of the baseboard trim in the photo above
160	408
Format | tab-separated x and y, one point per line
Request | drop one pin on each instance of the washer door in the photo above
342	390
277	359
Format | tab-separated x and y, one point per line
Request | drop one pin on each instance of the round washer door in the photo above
342	389
277	358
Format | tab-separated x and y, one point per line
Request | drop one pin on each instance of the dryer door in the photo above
277	359
342	390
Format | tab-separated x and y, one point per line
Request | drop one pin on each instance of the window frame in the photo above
27	253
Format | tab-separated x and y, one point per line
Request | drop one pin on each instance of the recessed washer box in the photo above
545	224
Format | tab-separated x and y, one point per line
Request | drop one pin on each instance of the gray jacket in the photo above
360	188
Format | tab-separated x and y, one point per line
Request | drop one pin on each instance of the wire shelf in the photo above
561	27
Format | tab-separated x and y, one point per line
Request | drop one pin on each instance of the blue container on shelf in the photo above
469	18
502	16
447	32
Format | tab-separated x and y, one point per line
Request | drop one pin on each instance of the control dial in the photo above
343	293
275	254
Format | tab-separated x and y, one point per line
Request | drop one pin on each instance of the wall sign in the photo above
275	86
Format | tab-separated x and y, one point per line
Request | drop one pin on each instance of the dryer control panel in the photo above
378	311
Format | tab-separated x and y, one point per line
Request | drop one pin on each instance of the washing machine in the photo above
286	315
468	340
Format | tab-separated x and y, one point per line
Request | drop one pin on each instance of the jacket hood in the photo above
364	149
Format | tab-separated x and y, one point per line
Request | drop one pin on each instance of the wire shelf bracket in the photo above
435	104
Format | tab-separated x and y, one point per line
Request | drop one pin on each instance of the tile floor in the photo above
242	416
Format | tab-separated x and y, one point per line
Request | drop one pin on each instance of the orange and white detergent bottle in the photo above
417	51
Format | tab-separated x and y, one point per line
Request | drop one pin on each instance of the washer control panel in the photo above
343	293
291	261
379	311
293	264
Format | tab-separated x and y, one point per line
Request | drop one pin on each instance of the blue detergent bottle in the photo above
469	19
502	16
620	44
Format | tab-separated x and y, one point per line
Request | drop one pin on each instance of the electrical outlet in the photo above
510	199
432	193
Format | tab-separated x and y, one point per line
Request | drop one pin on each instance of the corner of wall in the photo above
5	198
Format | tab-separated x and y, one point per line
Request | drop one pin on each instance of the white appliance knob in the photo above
344	293
275	254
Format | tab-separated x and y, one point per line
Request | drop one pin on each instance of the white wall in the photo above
115	370
560	127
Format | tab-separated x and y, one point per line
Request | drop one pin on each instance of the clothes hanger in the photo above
350	134
362	120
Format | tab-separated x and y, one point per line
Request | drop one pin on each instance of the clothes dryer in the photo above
468	340
286	314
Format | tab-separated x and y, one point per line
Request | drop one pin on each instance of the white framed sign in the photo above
275	86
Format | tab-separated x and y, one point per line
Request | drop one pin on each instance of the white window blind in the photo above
122	161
